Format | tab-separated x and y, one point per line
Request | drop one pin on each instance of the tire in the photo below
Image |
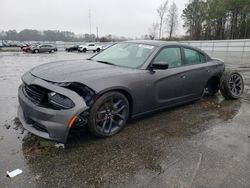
98	50
231	85
36	51
212	87
109	114
52	51
94	51
84	50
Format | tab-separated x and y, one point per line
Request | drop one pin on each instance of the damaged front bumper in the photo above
52	124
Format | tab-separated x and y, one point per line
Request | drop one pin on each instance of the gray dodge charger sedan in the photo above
127	80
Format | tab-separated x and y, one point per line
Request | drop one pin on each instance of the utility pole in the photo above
96	34
90	21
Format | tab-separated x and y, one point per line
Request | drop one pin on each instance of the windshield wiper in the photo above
105	62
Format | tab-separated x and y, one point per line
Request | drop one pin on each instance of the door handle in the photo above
183	76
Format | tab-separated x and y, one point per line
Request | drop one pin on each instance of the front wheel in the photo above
36	51
232	85
109	114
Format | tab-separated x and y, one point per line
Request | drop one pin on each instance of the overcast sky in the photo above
130	18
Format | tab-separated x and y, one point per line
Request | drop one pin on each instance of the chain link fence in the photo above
231	51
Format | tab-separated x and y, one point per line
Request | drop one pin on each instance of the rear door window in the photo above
193	57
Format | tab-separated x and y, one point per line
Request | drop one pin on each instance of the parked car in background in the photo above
28	48
1	44
24	45
43	48
5	43
89	47
72	48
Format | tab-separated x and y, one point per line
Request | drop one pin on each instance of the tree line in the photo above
47	35
54	35
204	20
217	19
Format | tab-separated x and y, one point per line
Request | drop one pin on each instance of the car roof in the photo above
158	43
150	42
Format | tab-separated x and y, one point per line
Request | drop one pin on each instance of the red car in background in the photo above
28	47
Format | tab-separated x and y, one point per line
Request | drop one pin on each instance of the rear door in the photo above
43	48
196	72
91	46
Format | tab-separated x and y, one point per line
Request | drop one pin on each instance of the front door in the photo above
168	85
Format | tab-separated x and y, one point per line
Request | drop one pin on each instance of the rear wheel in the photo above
98	50
109	114
84	50
232	85
52	51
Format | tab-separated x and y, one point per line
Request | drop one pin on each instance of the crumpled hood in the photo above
84	71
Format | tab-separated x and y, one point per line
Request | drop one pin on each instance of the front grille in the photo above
35	93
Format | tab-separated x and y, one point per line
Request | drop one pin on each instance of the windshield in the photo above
125	54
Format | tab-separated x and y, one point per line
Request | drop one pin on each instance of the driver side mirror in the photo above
161	65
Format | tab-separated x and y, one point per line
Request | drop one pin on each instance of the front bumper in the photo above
45	122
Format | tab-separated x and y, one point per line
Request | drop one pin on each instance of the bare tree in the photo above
172	20
153	31
161	12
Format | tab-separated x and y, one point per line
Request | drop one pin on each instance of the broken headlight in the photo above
85	92
59	101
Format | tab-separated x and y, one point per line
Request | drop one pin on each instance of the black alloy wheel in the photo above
232	85
109	114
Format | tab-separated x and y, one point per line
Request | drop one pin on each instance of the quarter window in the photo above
193	57
170	56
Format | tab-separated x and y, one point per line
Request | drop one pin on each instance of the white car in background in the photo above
89	47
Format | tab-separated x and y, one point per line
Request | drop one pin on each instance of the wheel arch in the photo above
212	86
213	79
125	92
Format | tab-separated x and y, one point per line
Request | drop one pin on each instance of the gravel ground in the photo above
203	144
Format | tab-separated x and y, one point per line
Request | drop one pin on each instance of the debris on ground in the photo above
17	123
7	126
14	173
37	177
59	145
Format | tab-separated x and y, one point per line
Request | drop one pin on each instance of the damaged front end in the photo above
50	110
88	96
